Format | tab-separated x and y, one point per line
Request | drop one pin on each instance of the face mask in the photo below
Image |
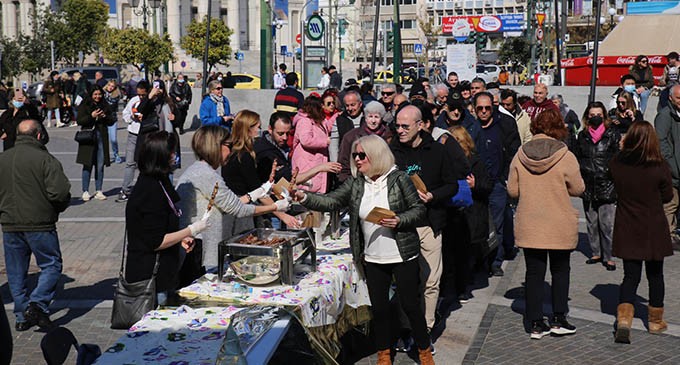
181	81
56	78
595	121
219	78
17	104
629	88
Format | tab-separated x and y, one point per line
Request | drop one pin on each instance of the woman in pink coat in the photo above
310	144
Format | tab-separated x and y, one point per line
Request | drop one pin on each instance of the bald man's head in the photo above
409	123
28	127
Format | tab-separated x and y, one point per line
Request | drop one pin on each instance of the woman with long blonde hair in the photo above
240	172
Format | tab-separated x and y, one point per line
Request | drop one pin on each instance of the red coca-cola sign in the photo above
610	69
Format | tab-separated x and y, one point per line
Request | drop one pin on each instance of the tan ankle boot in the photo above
624	320
384	357
425	356
656	322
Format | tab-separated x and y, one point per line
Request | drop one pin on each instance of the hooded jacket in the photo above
543	176
533	109
667	124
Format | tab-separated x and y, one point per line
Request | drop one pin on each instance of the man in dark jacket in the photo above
500	141
33	191
667	123
351	118
336	79
417	153
539	103
180	91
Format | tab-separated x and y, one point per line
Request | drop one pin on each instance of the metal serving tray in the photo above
295	248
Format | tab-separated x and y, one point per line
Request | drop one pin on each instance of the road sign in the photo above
284	50
315	27
183	64
239	56
289	54
540	18
418	48
298	38
539	34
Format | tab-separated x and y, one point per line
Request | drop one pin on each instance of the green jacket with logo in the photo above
33	187
403	200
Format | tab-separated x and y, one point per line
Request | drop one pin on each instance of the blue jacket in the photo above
208	112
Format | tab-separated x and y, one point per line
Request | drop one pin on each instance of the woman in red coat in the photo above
641	229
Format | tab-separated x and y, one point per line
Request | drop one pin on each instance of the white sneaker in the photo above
99	195
60	124
86	196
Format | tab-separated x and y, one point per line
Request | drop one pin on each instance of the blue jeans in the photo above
113	139
53	112
644	97
498	200
99	168
18	248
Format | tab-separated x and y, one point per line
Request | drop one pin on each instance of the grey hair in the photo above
351	92
558	97
389	87
213	84
439	87
374	107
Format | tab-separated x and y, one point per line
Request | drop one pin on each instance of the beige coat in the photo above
543	175
523	126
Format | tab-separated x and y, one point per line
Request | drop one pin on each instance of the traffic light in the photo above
342	26
390	41
482	40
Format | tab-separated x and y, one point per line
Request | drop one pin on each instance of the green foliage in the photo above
515	49
11	57
35	49
73	29
137	47
219	50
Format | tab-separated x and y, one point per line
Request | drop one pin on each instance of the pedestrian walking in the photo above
180	92
596	145
53	95
640	228
325	79
112	95
669	141
543	176
386	252
625	113
33	191
94	114
132	117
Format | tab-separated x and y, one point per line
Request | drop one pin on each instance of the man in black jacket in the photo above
500	143
336	79
180	91
351	118
416	152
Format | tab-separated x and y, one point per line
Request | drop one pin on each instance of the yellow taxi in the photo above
246	81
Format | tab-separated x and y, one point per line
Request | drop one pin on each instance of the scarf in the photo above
219	100
597	133
379	131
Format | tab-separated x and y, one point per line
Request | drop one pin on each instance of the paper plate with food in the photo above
257	270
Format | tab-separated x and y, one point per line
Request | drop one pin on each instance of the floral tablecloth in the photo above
320	296
182	336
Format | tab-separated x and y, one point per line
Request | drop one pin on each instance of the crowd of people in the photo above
472	173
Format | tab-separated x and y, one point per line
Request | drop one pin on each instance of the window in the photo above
407	24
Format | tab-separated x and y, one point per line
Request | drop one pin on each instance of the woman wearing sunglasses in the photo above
384	248
644	80
215	108
625	113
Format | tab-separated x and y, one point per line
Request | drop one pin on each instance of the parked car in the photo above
110	72
488	73
246	81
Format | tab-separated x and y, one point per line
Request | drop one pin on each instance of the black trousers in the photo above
632	271
536	263
5	337
457	257
407	277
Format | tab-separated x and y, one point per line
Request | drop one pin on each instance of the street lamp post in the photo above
148	7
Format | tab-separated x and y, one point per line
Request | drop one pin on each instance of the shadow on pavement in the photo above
608	294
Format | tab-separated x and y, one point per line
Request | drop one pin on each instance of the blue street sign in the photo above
239	56
284	50
289	54
183	64
418	48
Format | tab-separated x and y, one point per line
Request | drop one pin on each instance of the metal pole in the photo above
265	51
396	47
558	74
329	34
52	53
384	52
303	69
596	47
531	35
337	18
375	39
144	10
207	46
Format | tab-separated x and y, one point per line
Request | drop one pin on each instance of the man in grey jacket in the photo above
33	191
667	124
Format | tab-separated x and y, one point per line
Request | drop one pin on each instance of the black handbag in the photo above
131	301
86	136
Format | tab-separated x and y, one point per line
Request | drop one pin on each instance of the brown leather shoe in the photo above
425	356
624	320
656	322
384	357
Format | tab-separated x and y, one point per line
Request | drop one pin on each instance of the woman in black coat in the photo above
641	230
20	109
94	113
152	218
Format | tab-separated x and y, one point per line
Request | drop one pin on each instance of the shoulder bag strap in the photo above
124	256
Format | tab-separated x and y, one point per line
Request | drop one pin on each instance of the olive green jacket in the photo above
403	200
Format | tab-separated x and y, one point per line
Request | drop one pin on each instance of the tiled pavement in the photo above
488	330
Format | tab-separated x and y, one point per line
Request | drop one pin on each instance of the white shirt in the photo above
279	80
133	125
381	246
325	81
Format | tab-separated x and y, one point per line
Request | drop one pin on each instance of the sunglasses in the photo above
388	93
483	107
217	88
402	126
621	102
361	155
644	61
329	103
